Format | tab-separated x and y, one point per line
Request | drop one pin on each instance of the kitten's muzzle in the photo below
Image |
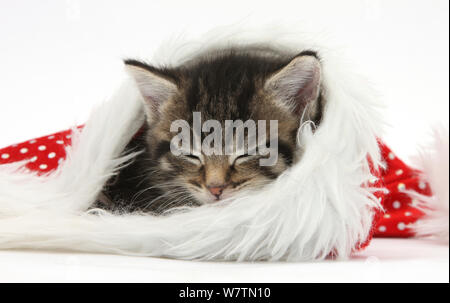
216	190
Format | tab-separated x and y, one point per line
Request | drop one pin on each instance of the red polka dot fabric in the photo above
44	154
400	208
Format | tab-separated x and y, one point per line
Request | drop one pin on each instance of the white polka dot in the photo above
422	185
399	172
68	136
23	150
387	216
51	137
42	147
382	228
396	204
401	186
32	141
407	213
43	166
51	155
59	142
415	203
373	180
401	226
5	156
33	159
391	156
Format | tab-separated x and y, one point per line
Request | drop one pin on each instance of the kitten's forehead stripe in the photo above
223	87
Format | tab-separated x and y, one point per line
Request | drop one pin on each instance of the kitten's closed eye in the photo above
192	159
243	158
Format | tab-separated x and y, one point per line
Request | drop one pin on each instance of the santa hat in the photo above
348	187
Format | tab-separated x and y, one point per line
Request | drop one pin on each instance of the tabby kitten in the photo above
236	83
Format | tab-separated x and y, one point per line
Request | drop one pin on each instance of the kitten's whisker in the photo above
180	198
160	186
164	195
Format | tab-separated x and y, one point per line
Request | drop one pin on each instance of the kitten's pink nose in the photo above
216	190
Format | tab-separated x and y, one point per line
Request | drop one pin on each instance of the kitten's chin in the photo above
206	198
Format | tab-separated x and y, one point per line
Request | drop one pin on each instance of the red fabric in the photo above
400	210
45	153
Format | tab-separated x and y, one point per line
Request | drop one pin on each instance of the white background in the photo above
59	58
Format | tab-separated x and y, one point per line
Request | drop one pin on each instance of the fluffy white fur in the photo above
434	162
315	209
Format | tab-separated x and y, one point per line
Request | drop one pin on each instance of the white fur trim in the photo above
434	162
315	209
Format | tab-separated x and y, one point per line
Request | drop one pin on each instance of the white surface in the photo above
385	260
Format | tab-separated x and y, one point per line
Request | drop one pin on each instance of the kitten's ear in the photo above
297	86
155	87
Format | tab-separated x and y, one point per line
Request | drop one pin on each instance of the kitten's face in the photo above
212	177
228	87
